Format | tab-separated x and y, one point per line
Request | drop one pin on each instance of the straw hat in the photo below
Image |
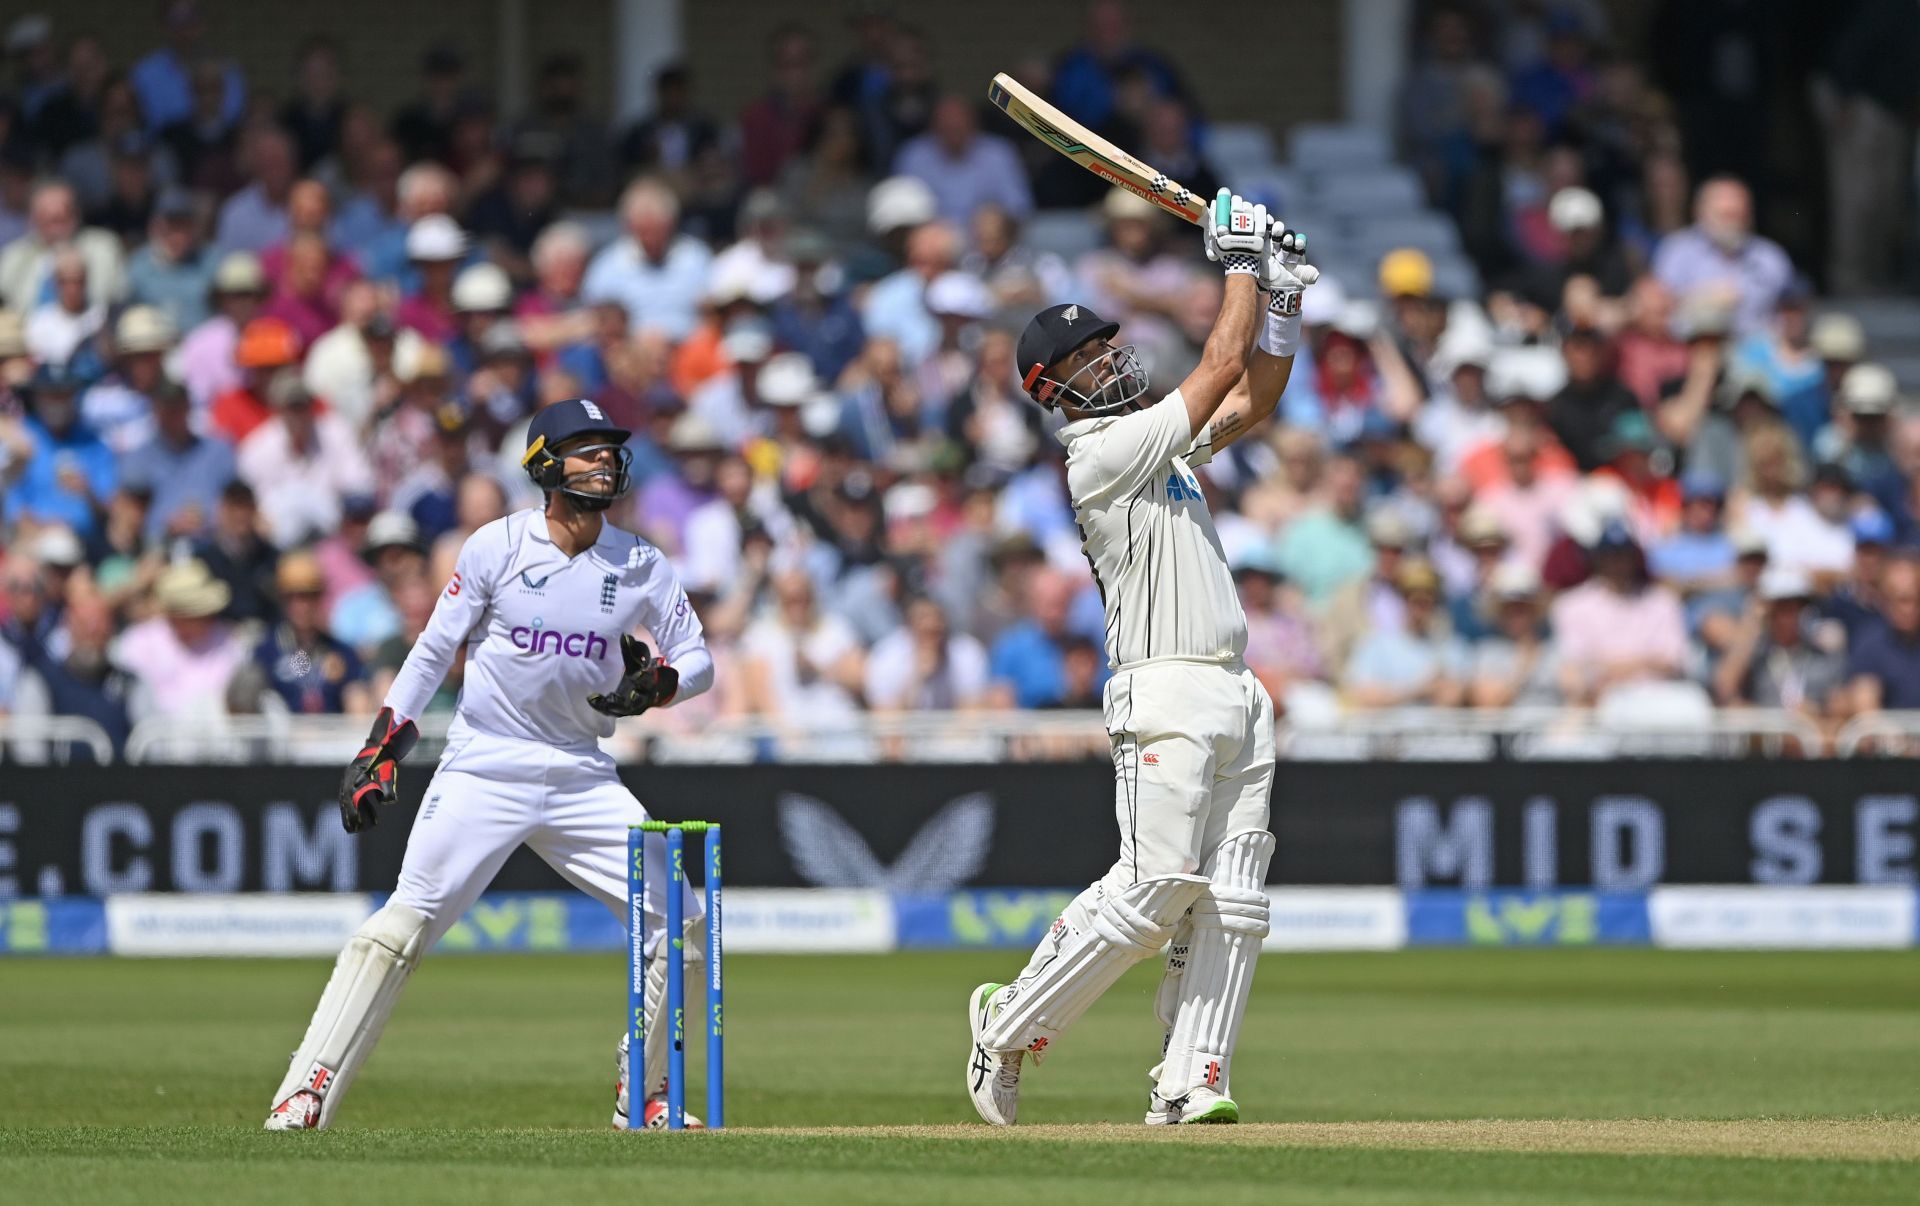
187	590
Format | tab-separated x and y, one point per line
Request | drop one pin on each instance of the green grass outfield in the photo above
1420	1077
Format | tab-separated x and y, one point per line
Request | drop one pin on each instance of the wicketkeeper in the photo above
1191	728
545	602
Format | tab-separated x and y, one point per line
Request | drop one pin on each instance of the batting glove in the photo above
1236	234
1284	271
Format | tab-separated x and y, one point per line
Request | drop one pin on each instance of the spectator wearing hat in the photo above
1459	416
36	576
501	389
298	660
435	247
120	405
1516	665
403	434
482	298
163	78
657	273
365	617
1416	314
1883	666
1859	439
1584	412
65	328
1784	354
71	472
1132	278
173	271
1529	478
183	659
1840	342
208	358
235	552
1616	628
1780	659
53	224
379	238
1721	254
355	366
267	347
964	167
757	263
896	306
182	471
1419	661
81	681
256	218
301	463
1855	601
1373	601
1471	604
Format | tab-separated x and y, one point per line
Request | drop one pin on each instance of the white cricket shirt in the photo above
1149	536
542	631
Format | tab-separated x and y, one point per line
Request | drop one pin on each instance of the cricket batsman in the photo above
1191	728
545	602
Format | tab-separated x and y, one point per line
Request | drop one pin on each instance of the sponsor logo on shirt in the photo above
1183	487
551	642
531	585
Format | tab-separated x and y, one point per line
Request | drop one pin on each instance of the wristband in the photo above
1245	262
1281	336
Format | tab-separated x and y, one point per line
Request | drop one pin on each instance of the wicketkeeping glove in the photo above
1284	271
373	777
646	684
1235	234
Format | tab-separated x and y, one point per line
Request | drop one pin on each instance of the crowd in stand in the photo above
267	357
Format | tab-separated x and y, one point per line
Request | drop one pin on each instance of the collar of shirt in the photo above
612	546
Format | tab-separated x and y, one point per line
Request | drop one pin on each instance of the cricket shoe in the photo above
993	1077
1204	1107
653	1116
301	1112
1161	1112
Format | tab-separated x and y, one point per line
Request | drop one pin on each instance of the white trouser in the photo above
491	794
1193	763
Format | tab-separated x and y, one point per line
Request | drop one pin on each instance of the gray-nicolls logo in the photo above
948	851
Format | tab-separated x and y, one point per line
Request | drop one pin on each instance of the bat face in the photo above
1091	151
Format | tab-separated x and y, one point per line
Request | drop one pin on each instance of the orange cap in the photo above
267	343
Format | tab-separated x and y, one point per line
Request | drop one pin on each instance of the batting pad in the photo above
1125	927
659	1025
1229	921
366	981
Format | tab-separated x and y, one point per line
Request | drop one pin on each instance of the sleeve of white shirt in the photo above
459	610
683	643
1133	449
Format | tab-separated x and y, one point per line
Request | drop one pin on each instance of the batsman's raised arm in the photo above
1284	277
1236	239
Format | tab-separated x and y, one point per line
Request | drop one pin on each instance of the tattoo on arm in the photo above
1225	426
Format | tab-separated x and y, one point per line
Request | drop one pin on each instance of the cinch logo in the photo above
555	643
1179	488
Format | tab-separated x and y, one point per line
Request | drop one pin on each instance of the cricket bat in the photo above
1093	152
